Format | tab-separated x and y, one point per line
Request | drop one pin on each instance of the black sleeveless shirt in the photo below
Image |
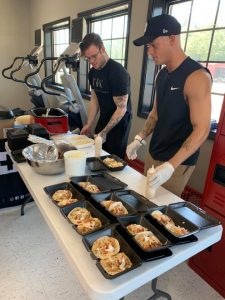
173	125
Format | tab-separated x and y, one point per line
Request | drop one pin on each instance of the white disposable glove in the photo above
161	175
134	146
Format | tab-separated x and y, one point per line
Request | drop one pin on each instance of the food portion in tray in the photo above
63	197
105	247
102	182
116	264
173	225
63	194
143	233
136	228
115	207
169	223
147	240
89	187
112	163
85	217
82	218
114	256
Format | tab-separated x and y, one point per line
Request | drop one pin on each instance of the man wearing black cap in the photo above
180	118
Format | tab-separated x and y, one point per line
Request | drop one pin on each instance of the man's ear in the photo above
102	50
172	39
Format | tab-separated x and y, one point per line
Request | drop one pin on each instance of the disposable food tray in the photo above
103	181
98	198
144	255
94	213
89	239
50	190
135	200
95	165
116	158
197	215
178	220
141	220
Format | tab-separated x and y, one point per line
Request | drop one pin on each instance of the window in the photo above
56	40
111	22
203	39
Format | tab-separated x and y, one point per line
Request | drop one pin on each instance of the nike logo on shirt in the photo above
174	88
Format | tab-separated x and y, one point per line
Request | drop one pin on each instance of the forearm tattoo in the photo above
148	127
187	144
121	102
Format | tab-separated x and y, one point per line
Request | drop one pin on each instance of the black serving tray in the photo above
98	198
116	158
94	213
95	165
18	156
197	215
103	181
50	190
141	220
135	200
144	255
89	239
178	220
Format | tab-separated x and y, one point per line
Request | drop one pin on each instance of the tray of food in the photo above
144	255
113	162
79	141
114	256
112	205
172	222
143	233
98	183
135	200
95	165
197	215
84	217
63	194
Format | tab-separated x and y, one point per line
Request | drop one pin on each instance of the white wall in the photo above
15	41
25	16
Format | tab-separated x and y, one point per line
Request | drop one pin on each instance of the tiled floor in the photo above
33	267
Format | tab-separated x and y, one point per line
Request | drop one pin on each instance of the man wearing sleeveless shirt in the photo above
180	118
110	96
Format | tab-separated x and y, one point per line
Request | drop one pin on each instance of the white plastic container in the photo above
75	163
98	146
150	193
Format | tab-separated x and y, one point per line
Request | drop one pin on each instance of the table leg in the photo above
158	293
29	199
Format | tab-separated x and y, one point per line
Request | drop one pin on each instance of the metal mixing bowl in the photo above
43	162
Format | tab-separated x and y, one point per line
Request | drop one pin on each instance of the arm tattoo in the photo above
121	103
149	126
187	144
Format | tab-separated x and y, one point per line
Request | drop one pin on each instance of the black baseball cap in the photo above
163	25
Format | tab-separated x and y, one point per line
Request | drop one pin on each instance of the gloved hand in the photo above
161	175
134	146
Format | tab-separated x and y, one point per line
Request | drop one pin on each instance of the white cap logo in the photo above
146	24
165	31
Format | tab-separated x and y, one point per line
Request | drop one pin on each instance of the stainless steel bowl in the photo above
43	162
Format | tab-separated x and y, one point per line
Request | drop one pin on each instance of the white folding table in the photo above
96	286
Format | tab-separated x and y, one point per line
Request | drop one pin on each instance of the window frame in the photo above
50	28
87	15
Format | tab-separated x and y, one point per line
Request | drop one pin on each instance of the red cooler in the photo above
55	120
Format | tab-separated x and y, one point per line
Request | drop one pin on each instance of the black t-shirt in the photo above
173	125
111	81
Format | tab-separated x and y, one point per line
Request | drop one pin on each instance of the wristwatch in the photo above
139	139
